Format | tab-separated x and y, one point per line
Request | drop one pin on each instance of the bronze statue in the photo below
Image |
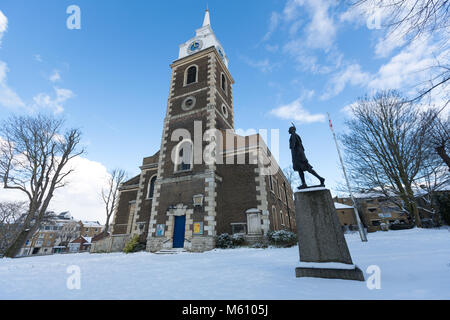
299	161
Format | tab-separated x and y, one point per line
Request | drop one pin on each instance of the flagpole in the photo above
361	230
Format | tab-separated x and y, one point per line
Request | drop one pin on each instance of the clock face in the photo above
195	45
219	49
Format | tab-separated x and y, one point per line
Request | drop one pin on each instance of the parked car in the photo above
401	226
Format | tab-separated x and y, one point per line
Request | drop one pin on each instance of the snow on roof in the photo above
338	205
90	224
88	239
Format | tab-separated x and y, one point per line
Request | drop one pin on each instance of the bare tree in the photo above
385	148
34	153
111	192
11	213
69	231
438	134
291	176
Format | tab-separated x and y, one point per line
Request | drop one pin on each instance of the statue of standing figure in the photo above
299	161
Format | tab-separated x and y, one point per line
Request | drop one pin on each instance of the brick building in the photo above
205	179
375	209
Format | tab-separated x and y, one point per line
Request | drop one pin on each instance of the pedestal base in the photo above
344	274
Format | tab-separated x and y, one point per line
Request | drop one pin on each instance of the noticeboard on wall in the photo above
198	228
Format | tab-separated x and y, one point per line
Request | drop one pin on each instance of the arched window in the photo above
191	75
223	83
151	187
184	156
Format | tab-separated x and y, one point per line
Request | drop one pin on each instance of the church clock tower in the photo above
184	206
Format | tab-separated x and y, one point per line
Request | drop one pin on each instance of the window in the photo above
183	161
275	219
191	75
223	83
225	111
279	190
271	183
238	228
282	219
151	187
188	103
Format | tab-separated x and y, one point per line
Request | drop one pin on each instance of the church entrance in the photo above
178	231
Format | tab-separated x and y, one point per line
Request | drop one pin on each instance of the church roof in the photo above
151	160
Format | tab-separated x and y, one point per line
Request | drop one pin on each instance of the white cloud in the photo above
55	76
348	109
81	196
273	24
43	100
351	74
263	65
295	111
3	25
407	68
8	97
37	57
321	32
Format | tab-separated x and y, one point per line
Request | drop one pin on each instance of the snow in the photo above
327	265
414	264
338	205
311	189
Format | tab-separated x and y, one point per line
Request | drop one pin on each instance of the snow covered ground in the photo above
415	264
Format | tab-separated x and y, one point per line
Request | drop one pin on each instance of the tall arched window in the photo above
191	75
151	187
184	156
224	83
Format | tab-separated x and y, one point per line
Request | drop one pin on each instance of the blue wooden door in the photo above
178	231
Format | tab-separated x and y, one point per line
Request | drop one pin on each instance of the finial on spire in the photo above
206	20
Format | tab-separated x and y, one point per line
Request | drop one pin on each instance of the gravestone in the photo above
322	246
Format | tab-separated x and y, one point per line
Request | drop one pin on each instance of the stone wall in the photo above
110	244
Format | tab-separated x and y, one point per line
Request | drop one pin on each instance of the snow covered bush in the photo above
238	240
134	245
282	238
224	241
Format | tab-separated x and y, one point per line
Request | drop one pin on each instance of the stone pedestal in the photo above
322	246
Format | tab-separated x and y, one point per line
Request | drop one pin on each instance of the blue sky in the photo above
291	59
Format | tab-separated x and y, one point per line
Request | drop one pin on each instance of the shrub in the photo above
443	202
282	238
134	245
224	241
238	240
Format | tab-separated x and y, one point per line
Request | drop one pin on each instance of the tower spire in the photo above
206	20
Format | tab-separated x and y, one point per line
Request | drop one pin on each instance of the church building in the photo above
205	179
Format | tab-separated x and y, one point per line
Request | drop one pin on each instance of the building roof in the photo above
100	236
91	224
338	205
